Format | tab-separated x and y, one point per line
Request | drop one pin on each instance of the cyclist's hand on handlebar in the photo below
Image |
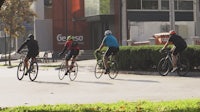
97	51
59	54
161	50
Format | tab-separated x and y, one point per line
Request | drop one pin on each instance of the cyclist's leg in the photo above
105	59
75	54
175	54
67	58
115	51
28	56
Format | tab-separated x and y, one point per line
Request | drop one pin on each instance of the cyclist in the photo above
33	49
72	51
179	45
113	47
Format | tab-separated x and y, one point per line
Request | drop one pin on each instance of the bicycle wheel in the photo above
62	71
183	67
20	71
73	72
163	67
98	71
33	71
113	70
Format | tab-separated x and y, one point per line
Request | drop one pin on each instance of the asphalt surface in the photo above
128	86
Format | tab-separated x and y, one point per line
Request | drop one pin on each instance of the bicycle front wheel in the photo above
98	71
20	71
73	72
183	67
163	67
113	70
33	71
62	71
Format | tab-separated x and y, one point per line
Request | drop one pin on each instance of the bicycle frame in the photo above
100	67
166	64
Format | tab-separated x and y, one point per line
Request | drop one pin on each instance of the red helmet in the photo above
172	32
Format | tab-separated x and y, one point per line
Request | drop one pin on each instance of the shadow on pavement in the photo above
94	82
131	80
47	82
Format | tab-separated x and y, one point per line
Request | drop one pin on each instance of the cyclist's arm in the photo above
22	46
102	44
64	49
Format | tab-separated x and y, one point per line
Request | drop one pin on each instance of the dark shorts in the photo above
111	51
32	54
71	53
178	50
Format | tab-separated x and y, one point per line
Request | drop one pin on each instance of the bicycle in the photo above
165	64
32	71
100	68
72	72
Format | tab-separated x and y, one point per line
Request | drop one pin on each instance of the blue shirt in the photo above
110	41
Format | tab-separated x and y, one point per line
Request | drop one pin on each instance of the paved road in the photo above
48	89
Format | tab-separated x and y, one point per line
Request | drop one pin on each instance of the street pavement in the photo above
128	86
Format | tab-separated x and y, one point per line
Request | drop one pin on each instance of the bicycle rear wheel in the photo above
73	72
62	71
183	67
20	71
33	71
98	71
163	67
113	70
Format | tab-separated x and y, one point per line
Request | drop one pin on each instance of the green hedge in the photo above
146	57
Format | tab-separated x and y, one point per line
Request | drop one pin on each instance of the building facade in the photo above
135	20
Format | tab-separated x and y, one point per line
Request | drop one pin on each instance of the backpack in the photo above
74	44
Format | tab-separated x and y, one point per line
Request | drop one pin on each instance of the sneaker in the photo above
174	69
107	71
66	73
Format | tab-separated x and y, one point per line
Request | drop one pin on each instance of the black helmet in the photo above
30	36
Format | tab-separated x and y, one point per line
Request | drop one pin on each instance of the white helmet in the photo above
107	32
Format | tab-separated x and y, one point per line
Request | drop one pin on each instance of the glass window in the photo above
92	7
105	6
133	4
185	5
165	4
149	4
96	7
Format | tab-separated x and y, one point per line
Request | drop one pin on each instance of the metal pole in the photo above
5	49
171	15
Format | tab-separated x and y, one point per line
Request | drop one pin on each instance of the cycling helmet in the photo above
172	32
30	36
107	32
69	37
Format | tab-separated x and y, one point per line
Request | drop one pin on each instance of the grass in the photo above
190	105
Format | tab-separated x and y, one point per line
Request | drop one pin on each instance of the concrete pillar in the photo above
197	17
124	22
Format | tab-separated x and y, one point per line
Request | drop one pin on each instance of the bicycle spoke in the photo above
98	72
163	67
62	71
33	71
73	72
183	67
20	71
113	70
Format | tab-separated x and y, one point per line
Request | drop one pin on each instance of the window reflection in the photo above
163	4
150	4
